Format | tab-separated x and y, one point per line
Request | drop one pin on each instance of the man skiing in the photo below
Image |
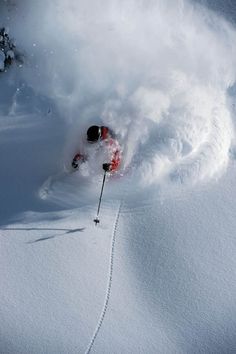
104	140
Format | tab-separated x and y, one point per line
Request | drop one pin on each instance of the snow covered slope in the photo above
157	275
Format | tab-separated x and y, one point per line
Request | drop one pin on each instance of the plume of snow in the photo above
156	72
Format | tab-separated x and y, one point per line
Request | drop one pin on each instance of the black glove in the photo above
106	166
74	164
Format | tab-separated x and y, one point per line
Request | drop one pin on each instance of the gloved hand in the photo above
78	160
74	164
106	167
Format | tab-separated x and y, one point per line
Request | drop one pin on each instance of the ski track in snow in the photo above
109	285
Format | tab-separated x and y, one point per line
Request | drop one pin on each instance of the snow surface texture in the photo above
154	276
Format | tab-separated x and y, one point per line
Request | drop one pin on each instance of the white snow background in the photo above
157	275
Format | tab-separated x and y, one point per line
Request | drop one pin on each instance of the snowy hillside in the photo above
157	275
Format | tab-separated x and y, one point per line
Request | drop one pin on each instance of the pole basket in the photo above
96	220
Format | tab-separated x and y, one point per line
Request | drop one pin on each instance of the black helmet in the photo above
93	133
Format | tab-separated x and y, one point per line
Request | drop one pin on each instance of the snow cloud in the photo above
157	72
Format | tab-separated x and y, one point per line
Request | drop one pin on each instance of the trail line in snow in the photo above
109	284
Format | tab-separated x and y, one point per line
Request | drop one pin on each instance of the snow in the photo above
2	58
157	275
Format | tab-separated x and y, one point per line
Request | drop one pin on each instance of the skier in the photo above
105	139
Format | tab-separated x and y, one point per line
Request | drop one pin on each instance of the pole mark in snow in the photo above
109	284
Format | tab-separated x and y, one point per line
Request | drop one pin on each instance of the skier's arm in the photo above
77	160
115	161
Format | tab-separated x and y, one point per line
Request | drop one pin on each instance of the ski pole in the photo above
96	220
